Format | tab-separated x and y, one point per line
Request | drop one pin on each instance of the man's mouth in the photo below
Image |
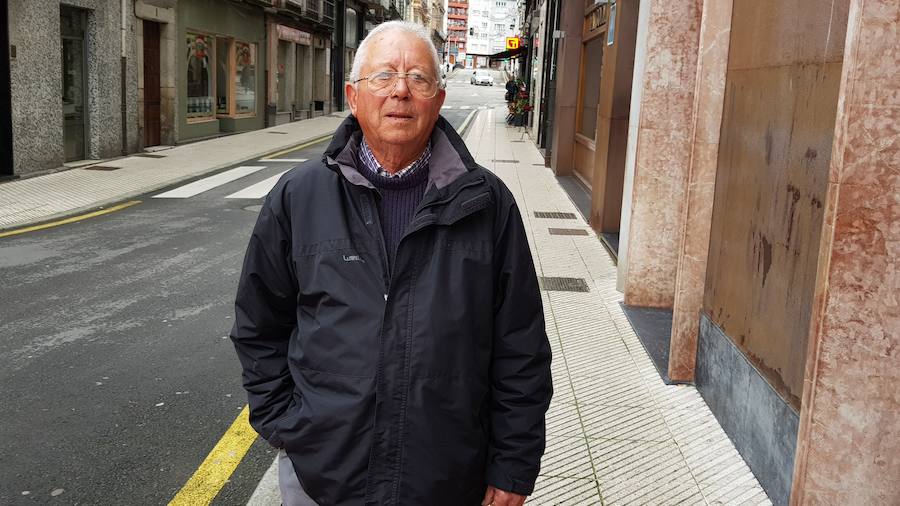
399	115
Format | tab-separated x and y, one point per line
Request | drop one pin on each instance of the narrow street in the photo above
119	375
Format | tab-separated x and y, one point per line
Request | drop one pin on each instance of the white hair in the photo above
362	53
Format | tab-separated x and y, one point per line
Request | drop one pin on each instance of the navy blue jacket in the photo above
416	384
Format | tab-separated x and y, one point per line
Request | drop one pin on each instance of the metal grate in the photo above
504	161
563	284
150	155
554	215
568	231
102	167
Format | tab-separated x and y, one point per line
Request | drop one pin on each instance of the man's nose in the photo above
401	90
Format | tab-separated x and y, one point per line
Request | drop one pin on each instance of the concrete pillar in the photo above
662	153
571	19
634	116
848	447
709	95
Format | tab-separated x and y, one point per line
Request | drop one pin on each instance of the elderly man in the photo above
388	317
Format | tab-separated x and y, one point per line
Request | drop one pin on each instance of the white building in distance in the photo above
490	23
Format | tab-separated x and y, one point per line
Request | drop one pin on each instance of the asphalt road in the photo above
118	376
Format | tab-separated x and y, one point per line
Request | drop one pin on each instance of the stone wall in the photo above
36	79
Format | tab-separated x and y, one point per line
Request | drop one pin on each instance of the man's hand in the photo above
496	497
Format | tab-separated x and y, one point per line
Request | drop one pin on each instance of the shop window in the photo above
223	50
245	78
589	93
200	82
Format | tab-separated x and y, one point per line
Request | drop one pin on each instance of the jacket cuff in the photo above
501	480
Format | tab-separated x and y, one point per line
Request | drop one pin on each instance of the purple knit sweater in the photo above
400	196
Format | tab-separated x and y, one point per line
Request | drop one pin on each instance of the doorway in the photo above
73	24
6	133
151	84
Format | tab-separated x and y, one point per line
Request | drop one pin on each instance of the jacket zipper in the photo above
388	269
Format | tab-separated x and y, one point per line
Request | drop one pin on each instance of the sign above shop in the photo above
294	35
512	43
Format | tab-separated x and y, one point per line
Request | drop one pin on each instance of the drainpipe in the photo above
124	75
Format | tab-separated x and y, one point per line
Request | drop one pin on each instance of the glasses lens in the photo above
382	84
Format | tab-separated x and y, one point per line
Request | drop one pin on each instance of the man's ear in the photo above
350	91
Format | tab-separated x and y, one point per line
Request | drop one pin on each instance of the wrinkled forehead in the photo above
398	50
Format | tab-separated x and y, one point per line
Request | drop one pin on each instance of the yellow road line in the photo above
73	219
298	148
215	470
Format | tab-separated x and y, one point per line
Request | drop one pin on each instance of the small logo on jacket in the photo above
353	258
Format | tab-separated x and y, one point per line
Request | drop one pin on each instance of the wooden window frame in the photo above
587	37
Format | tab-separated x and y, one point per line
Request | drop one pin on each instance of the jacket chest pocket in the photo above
453	308
340	305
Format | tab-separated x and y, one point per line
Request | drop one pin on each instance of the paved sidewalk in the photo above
43	198
616	433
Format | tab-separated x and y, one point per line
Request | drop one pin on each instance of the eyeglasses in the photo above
382	84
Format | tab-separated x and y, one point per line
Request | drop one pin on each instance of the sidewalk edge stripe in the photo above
73	219
218	466
298	148
462	128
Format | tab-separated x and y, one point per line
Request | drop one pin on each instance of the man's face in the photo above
401	119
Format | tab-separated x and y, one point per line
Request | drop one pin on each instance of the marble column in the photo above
709	95
662	154
848	448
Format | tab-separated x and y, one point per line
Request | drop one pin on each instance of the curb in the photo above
100	204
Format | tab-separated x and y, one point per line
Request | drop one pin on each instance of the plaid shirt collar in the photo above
368	158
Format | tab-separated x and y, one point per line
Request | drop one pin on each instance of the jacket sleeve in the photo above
521	385
265	317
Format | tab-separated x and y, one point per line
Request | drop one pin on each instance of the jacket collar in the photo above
450	159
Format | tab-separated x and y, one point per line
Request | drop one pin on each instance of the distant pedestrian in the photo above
388	316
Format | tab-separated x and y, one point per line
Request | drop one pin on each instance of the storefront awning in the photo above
510	53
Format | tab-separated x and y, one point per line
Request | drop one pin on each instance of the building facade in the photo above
300	51
490	23
72	82
739	168
159	72
457	31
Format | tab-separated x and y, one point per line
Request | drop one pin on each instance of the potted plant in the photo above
519	107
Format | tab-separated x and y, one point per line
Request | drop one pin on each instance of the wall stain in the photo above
792	208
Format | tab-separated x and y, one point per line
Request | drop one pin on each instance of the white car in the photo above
482	77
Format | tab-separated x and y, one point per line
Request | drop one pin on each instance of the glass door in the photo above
74	85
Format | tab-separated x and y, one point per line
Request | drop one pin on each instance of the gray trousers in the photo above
292	493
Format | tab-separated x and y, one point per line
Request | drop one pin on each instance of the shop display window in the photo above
223	49
200	80
244	78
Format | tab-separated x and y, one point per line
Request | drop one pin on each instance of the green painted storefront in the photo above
207	30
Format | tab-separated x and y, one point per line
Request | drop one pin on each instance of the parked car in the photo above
480	77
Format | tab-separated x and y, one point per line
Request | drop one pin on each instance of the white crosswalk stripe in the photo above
258	190
208	183
287	160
